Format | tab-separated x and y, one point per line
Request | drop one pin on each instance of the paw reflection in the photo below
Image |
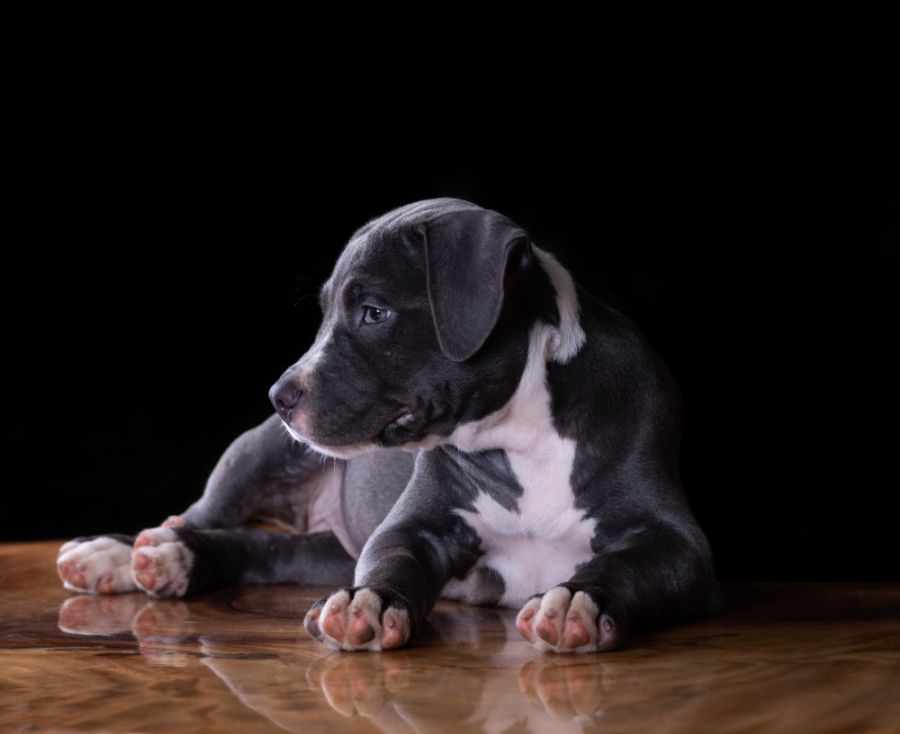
158	627
463	666
566	688
414	689
358	685
100	615
164	622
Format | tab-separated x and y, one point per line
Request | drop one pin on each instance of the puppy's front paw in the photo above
97	566
561	621
358	619
161	563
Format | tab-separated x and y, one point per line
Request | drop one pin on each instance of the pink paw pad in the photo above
546	630
161	563
358	623
560	621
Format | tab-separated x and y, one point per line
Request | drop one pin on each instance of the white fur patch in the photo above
585	610
570	337
525	422
531	560
541	544
518	422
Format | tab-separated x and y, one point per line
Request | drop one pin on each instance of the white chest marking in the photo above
540	545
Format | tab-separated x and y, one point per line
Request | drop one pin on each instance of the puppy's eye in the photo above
375	315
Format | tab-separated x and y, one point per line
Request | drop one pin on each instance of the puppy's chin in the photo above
349	451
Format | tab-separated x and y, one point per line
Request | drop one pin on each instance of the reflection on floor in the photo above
806	658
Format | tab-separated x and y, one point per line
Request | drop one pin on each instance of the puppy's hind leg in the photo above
262	473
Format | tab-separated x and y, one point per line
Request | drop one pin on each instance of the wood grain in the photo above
783	658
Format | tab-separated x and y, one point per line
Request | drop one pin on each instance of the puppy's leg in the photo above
662	575
178	561
402	568
263	472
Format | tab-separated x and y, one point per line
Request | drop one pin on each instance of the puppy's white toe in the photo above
97	566
358	620
161	564
559	621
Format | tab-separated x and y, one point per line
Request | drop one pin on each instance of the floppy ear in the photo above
465	261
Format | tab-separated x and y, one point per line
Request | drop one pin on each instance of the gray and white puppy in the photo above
539	470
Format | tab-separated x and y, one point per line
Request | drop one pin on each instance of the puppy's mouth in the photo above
400	429
403	419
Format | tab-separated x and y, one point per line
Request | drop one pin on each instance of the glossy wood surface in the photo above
783	658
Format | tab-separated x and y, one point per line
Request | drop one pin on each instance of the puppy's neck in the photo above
521	424
525	423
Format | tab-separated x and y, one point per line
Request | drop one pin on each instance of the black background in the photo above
166	279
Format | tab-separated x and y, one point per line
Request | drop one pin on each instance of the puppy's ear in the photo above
465	262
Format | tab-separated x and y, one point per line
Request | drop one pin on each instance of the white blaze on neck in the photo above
525	423
569	337
541	543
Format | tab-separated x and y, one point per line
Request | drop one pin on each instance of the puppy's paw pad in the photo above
560	621
525	619
357	619
97	566
161	563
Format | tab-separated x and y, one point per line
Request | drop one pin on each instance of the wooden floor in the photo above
784	658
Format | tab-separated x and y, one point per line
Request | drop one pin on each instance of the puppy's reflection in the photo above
472	683
566	687
102	615
389	689
160	628
395	691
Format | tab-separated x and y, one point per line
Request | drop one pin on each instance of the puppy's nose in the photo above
285	394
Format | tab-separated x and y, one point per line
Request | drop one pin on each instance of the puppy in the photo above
495	437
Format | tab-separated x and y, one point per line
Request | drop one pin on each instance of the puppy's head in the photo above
425	327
